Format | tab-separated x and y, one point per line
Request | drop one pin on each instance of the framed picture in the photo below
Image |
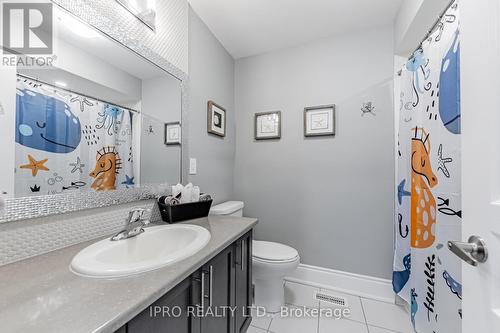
268	125
319	121
173	133
216	119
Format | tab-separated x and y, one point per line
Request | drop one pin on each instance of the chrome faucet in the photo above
134	226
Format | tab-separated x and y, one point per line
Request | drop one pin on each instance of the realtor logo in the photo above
27	28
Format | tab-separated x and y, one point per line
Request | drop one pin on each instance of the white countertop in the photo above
41	294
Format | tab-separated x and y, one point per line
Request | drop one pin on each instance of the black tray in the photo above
183	212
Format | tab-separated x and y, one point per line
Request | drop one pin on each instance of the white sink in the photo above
156	247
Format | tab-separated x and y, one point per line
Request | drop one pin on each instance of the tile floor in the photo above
367	316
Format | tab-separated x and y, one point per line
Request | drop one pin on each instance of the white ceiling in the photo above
250	27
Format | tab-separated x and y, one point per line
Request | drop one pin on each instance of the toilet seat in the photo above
275	262
273	252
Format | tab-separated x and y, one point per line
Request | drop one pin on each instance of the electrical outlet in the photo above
192	166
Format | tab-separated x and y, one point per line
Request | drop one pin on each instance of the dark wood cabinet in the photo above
122	329
216	282
168	314
217	298
243	283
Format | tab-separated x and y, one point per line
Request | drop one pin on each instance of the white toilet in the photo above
271	263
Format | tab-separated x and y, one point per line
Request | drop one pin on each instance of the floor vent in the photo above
332	299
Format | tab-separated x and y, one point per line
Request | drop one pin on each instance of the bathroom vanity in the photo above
42	294
202	302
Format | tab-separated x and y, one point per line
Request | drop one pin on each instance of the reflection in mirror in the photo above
167	166
94	121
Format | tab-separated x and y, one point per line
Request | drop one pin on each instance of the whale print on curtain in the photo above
67	142
428	206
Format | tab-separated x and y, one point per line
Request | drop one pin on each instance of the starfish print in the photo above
442	162
402	192
368	108
35	165
78	165
83	101
129	181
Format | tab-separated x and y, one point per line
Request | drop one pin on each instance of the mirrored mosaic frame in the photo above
17	209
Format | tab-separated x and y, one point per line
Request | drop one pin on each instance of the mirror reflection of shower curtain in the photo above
428	208
66	142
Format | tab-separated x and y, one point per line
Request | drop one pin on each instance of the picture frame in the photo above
173	133
267	125
319	121
216	119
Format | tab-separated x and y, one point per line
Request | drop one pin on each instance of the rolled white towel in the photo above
169	200
186	194
205	197
195	194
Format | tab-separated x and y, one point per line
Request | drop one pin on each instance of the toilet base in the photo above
270	294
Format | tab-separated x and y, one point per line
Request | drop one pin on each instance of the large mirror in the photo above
101	118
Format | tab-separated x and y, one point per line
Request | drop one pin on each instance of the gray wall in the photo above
211	75
160	104
331	198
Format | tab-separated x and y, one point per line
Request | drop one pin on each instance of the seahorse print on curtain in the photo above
428	206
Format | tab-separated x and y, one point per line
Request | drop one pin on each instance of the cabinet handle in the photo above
237	256
211	285
243	259
203	290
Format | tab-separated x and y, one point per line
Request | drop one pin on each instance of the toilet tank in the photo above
229	208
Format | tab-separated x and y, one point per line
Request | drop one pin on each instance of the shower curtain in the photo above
428	206
67	142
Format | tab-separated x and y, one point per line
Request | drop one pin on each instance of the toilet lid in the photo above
273	251
226	208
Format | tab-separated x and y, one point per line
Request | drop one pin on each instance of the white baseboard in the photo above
349	283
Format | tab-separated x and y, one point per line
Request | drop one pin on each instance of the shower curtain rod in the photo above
431	30
434	26
75	92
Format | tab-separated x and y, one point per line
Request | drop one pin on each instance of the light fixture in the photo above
60	83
